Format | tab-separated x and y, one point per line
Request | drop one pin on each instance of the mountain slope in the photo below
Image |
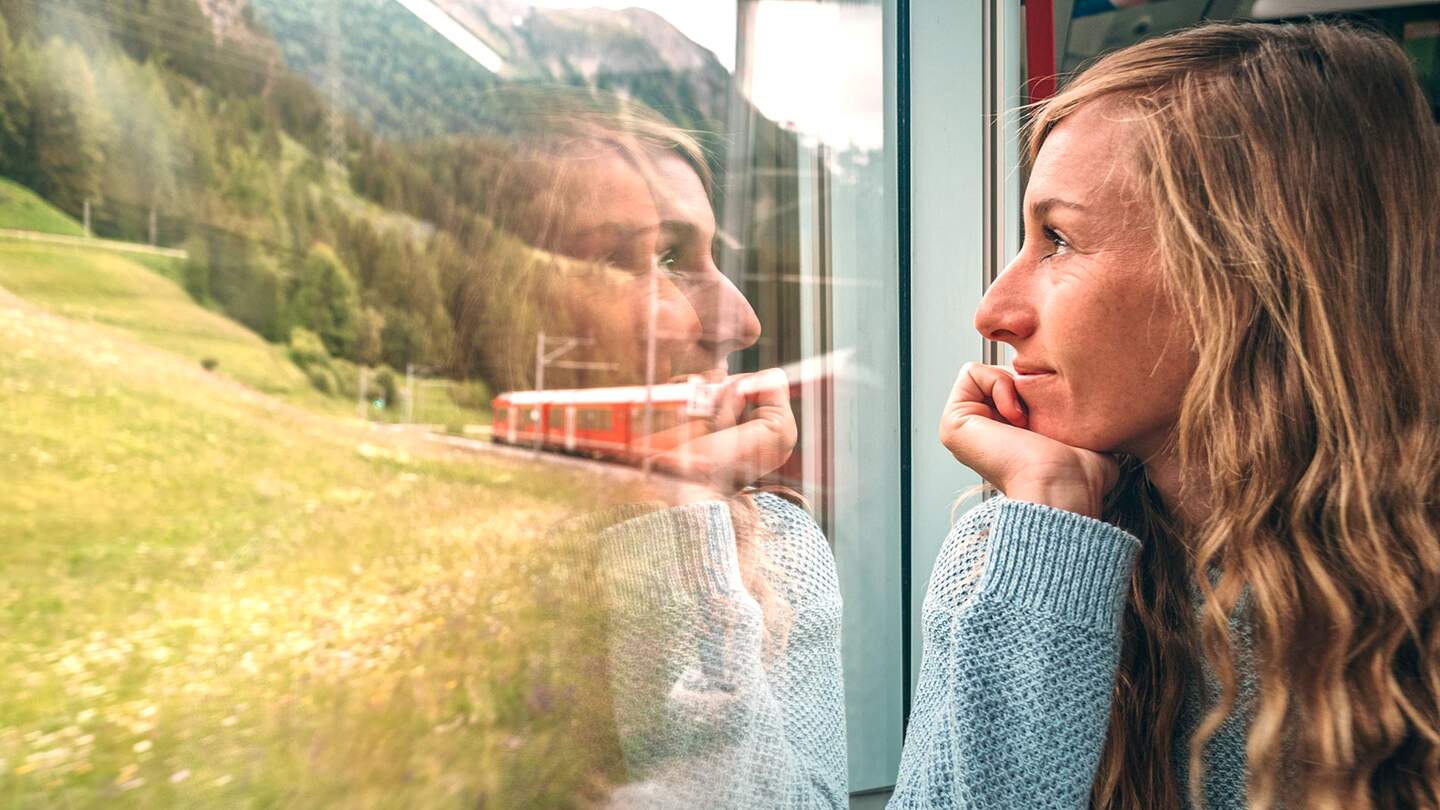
397	76
404	80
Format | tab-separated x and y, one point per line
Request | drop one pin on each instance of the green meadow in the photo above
220	589
23	209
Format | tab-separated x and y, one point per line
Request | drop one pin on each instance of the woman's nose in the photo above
728	321
1007	312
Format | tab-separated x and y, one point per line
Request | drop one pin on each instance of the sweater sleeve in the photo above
1022	639
711	712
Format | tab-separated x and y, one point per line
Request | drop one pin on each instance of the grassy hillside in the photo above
119	292
22	209
214	599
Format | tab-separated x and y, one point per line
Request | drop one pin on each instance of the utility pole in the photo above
362	399
536	411
546	356
409	393
650	322
154	226
87	217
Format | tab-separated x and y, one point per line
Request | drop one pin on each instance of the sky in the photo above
831	87
817	67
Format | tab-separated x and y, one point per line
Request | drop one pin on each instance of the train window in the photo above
663	419
266	268
594	419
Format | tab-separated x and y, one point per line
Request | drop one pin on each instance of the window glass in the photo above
286	293
591	419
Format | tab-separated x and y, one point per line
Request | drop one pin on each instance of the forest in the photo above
296	214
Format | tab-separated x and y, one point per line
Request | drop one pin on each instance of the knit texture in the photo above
1021	634
708	714
1224	757
1021	642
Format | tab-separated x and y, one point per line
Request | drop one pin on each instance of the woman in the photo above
720	602
574	244
1214	578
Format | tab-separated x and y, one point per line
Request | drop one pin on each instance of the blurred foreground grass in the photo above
212	598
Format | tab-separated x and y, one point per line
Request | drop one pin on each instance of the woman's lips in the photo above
1032	375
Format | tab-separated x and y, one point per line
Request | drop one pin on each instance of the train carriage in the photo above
602	422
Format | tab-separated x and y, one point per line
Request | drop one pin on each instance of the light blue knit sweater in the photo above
1021	642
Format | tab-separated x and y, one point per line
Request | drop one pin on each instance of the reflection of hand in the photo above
984	427
754	435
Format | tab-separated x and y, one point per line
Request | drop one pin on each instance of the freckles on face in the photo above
1102	358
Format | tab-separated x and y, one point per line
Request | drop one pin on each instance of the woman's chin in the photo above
1071	434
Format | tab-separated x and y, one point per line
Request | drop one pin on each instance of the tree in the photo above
141	170
368	332
326	301
19	17
401	342
14	108
69	130
247	283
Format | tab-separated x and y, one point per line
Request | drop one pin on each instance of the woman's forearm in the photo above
712	709
1022	637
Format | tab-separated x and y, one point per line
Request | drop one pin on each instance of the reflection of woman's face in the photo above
640	238
1082	304
684	253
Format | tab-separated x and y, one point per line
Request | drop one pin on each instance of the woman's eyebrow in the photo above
617	230
1043	207
679	228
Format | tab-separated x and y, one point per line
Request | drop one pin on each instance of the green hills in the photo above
215	597
23	209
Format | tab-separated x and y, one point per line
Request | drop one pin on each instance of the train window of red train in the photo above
592	419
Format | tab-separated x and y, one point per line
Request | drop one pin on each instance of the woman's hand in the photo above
753	435
984	426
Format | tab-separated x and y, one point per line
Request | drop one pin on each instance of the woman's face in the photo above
1101	358
648	238
685	255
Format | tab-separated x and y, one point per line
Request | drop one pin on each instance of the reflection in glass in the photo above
428	416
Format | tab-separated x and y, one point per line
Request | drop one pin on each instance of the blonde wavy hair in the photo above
1291	170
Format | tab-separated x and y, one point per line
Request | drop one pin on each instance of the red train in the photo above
609	423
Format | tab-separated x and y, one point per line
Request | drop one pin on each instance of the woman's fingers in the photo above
989	391
756	433
1007	400
984	427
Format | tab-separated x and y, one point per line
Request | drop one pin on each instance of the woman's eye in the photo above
669	261
1057	242
618	263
